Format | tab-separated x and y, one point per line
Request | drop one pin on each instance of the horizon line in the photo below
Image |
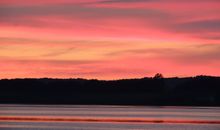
70	78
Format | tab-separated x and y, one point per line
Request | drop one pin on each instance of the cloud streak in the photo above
109	39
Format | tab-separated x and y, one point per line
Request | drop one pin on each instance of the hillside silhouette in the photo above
196	91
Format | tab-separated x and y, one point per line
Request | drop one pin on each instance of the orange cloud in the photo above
109	39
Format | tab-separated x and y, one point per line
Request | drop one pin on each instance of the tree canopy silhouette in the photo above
158	76
200	90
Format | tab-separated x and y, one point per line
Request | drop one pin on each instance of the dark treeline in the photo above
199	91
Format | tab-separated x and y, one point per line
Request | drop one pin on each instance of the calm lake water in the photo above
100	112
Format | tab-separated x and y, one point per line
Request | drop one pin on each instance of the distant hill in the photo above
196	91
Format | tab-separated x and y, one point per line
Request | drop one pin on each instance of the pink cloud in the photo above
112	38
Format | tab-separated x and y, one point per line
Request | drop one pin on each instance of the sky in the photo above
109	39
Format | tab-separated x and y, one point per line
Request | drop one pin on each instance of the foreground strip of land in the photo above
92	119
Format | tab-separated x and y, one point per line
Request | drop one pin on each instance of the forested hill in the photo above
197	91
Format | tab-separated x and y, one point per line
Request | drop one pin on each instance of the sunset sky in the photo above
109	39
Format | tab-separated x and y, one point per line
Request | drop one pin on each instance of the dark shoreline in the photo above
157	91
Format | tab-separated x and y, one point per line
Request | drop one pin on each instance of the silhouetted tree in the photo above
158	76
199	90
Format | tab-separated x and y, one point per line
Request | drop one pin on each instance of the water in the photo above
108	112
